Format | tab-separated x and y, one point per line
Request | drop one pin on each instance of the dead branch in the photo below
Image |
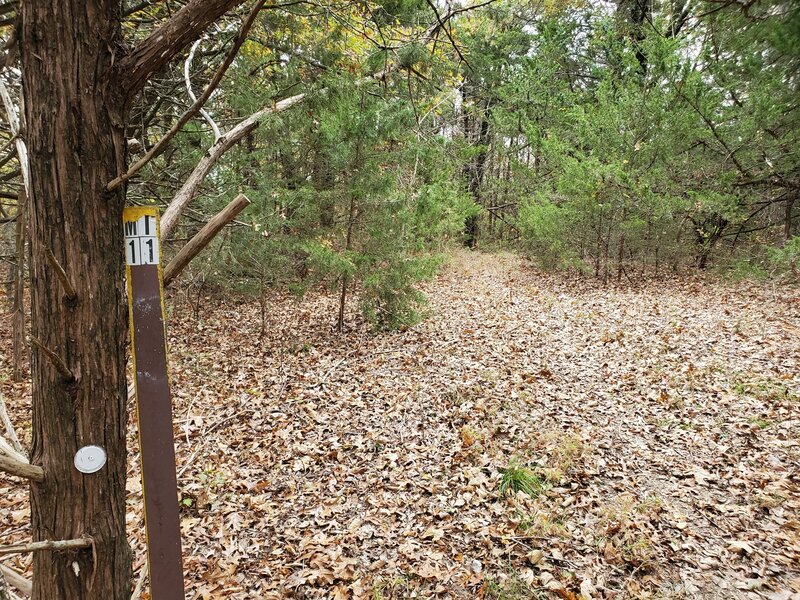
198	105
5	593
55	359
9	427
18	357
169	220
16	124
137	591
187	66
154	52
9	450
12	466
203	237
69	290
443	26
17	580
55	546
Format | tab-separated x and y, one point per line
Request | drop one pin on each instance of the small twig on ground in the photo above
17	580
330	372
189	417
137	591
205	434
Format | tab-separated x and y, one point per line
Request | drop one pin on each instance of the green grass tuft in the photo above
519	478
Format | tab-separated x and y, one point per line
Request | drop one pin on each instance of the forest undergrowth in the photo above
534	437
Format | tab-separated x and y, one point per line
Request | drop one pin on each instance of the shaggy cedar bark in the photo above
75	127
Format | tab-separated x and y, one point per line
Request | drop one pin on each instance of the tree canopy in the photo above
620	141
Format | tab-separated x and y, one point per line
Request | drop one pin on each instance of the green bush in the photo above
745	268
786	260
545	229
390	299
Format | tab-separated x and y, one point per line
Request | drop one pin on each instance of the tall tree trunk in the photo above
75	119
633	16
708	233
322	178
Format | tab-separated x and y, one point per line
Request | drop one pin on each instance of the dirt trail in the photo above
661	425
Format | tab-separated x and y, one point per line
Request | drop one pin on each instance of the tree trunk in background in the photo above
478	135
787	218
75	139
351	220
323	181
709	232
633	16
19	348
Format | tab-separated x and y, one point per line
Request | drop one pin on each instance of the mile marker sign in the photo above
153	402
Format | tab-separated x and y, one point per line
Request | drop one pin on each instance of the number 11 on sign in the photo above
153	401
141	241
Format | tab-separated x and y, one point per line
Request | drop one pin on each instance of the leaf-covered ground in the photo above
656	431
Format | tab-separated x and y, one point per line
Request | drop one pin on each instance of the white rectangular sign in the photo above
141	242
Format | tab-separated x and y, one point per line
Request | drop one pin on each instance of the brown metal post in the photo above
154	405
